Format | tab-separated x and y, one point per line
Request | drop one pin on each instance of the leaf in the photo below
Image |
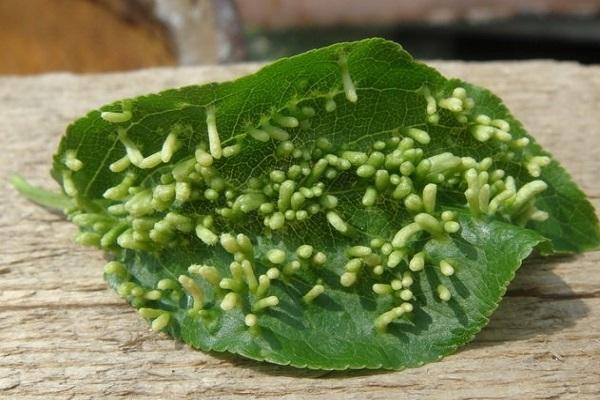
572	226
345	208
337	331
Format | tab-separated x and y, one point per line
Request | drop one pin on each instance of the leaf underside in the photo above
309	98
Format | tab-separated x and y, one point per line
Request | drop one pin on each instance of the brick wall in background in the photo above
283	14
108	35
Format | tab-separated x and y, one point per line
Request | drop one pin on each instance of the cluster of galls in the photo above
241	288
396	168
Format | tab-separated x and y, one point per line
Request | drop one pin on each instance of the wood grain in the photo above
63	334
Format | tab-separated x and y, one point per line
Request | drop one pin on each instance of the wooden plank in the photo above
64	334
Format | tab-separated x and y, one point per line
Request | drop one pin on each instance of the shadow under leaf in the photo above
538	302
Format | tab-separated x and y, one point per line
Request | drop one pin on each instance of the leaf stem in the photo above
40	196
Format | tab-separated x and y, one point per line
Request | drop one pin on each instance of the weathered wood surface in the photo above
63	334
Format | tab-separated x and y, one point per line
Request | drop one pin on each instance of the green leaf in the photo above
337	331
572	226
345	208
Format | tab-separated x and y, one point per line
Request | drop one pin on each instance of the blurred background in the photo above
37	36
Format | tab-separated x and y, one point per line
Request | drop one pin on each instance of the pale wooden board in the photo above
64	334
